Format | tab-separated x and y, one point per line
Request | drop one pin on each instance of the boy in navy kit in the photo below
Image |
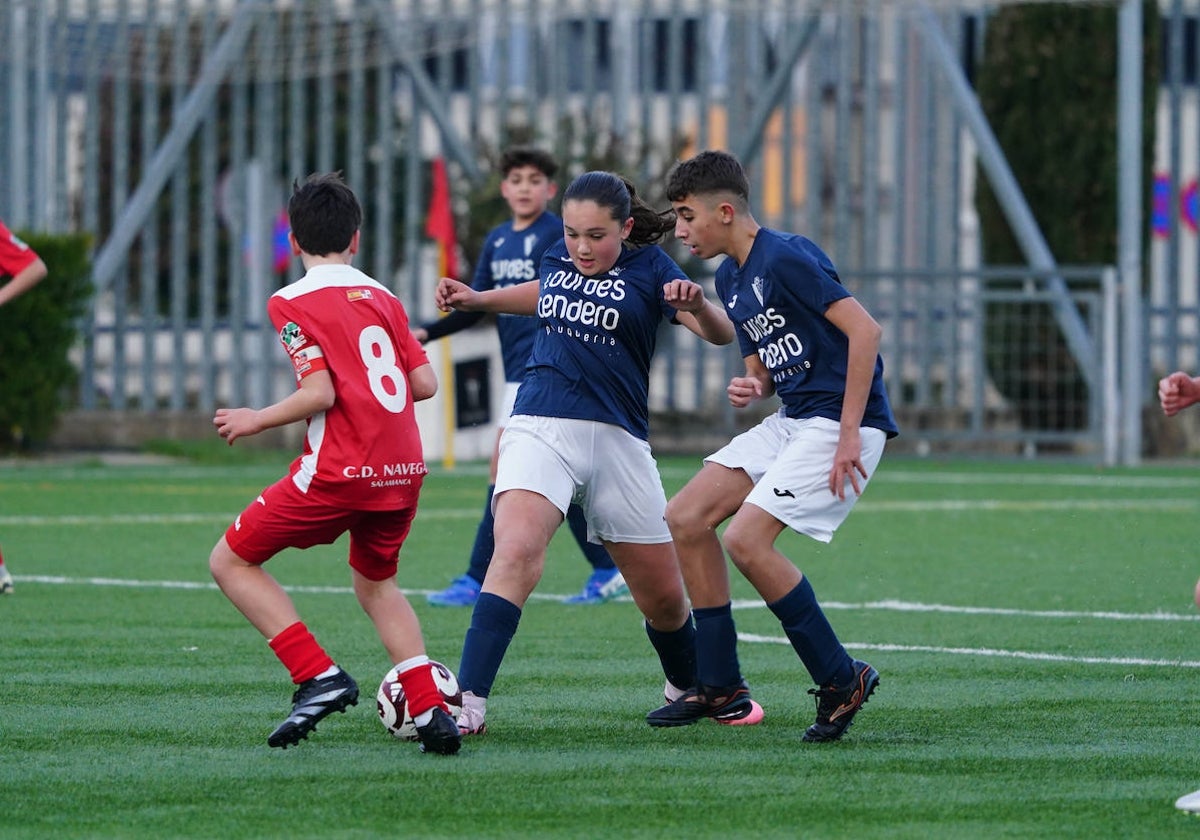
510	255
358	372
580	426
806	339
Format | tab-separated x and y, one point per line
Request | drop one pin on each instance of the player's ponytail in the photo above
607	189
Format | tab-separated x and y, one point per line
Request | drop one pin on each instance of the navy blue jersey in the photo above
778	300
596	337
510	257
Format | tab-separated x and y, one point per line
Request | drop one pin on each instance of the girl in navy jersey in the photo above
804	338
580	425
511	254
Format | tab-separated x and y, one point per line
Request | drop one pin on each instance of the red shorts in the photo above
283	517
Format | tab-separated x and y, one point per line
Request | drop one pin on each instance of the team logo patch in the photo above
303	359
530	241
292	336
358	294
757	285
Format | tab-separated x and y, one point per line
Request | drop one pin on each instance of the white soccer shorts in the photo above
604	469
789	462
510	400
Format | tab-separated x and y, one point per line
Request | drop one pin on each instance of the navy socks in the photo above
812	637
493	625
716	647
677	652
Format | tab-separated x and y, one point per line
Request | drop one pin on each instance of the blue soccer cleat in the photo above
463	591
602	585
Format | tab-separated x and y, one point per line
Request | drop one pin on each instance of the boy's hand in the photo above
1176	392
743	390
453	294
233	423
847	465
684	295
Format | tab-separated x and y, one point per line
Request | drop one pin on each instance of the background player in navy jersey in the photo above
359	370
804	338
511	254
581	422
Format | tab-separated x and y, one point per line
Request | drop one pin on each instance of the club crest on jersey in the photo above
358	294
292	337
757	285
530	241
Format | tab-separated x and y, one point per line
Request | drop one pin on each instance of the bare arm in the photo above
697	313
520	299
423	381
315	394
23	281
863	334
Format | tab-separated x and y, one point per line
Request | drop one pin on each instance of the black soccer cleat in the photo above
836	707
732	706
441	734
313	701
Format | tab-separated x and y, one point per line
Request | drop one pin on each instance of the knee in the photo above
684	521
666	613
662	602
222	561
740	544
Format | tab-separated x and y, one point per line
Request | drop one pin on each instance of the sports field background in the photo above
1032	624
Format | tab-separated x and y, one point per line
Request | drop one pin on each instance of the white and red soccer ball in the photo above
393	706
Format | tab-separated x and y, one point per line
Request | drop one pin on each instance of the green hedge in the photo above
37	331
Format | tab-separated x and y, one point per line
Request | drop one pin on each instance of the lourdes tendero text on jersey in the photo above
513	270
778	352
584	312
603	287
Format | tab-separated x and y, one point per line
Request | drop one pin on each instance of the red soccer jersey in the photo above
15	255
364	452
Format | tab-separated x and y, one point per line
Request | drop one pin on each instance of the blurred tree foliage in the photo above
1048	85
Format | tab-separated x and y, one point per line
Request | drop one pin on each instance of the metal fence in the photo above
172	129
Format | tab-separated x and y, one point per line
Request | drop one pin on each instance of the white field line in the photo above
907	606
754	638
1004	654
1188	504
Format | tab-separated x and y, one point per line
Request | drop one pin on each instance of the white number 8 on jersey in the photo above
379	356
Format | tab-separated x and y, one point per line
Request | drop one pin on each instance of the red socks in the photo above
300	653
419	688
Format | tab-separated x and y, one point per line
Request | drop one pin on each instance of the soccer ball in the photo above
393	706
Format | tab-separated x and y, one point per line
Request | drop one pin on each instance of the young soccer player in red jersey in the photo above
25	269
359	370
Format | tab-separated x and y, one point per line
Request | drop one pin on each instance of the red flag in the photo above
439	226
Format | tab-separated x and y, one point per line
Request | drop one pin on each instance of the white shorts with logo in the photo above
602	468
789	462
